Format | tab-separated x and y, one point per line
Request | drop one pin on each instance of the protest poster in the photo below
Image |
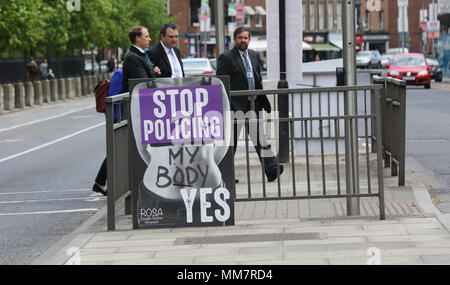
181	163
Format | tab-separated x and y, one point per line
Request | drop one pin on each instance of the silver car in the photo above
368	59
197	66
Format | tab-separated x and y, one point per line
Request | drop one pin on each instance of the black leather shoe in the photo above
272	172
97	189
236	181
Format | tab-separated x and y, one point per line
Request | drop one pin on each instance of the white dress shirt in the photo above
167	50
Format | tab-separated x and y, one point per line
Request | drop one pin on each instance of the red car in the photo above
412	68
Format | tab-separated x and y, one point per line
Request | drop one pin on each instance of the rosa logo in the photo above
151	212
73	5
374	5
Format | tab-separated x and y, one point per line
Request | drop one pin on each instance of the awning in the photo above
249	10
260	10
324	47
336	43
306	46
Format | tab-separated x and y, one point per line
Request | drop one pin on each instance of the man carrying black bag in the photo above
244	68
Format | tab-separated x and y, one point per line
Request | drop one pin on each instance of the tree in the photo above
21	25
151	14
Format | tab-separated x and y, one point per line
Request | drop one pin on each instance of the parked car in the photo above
412	68
197	66
435	69
213	63
88	67
386	60
368	59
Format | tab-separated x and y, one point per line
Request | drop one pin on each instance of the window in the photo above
380	20
247	21
321	15
312	16
258	20
339	15
367	23
194	12
330	15
304	15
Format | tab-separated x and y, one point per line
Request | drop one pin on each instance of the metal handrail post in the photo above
402	134
379	149
351	136
110	167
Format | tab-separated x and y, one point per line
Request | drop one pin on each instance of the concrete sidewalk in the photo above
277	232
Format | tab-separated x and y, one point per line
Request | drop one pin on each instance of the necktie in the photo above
175	65
149	62
251	85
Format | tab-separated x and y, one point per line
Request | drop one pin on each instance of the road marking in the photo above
50	212
50	143
426	140
37	192
46	119
87	199
11	140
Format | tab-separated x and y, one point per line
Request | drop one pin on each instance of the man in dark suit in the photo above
166	55
244	68
137	63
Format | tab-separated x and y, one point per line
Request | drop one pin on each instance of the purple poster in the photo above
181	114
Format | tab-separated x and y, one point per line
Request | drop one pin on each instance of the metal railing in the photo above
117	155
393	125
317	157
317	120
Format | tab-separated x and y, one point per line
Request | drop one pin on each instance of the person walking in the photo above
244	66
32	69
137	64
166	55
43	67
115	87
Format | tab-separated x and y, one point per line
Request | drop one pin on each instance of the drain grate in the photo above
246	238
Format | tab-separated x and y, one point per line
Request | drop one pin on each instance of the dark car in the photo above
435	69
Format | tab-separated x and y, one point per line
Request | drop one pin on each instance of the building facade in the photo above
191	42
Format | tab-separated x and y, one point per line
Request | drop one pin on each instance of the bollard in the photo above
61	89
54	90
1	98
19	96
92	86
70	88
46	91
29	93
8	97
38	93
78	90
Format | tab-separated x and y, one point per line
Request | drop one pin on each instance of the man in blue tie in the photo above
244	68
166	55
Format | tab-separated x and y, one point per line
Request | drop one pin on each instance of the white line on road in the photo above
50	212
50	143
45	119
88	199
38	192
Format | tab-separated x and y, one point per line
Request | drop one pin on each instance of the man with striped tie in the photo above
244	66
137	64
166	55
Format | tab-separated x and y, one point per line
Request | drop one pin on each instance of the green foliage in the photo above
38	26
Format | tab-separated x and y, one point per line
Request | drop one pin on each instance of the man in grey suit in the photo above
244	68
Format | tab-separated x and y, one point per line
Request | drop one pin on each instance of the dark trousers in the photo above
101	175
254	134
